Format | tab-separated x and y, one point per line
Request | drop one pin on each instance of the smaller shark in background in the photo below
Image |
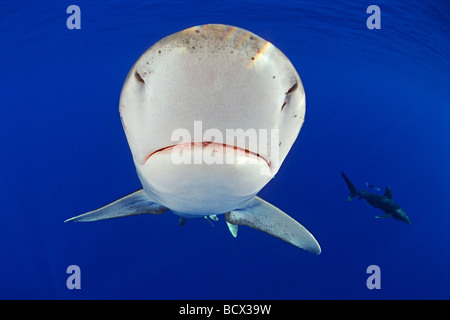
383	202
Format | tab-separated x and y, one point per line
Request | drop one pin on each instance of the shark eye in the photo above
138	77
293	88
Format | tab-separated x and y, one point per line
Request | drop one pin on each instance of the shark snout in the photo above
182	176
403	216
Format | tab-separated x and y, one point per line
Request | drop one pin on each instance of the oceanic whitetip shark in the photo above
384	202
224	78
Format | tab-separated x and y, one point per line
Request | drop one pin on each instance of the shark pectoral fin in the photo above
386	215
133	204
261	215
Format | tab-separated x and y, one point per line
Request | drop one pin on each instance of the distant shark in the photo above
383	202
231	80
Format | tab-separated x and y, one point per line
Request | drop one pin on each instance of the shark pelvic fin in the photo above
133	204
261	215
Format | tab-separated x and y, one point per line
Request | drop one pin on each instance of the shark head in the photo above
210	114
401	215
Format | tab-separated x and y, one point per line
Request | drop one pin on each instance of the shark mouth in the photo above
214	147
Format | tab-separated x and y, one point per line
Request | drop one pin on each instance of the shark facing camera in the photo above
229	79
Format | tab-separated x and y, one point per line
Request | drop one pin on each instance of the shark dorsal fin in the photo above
388	192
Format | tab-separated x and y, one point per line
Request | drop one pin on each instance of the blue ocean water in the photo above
377	108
